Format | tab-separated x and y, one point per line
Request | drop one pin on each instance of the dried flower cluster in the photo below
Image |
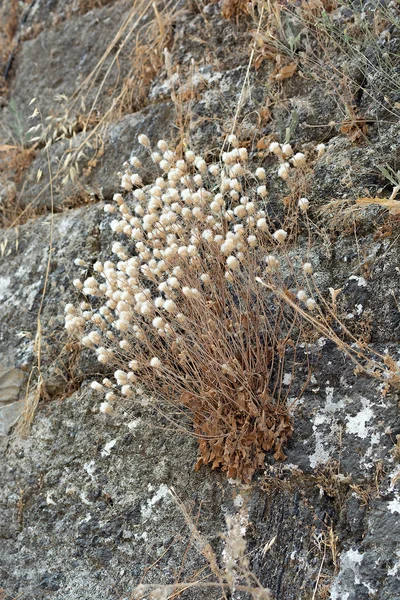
180	309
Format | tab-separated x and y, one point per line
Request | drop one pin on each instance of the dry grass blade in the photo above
237	577
202	544
33	396
143	36
234	9
365	358
14	160
392	204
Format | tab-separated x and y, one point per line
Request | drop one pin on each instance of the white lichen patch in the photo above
49	498
235	543
84	498
287	379
324	445
394	477
67	225
4	286
25	294
360	280
108	447
394	505
357	425
375	439
371	590
349	561
392	572
31	294
321	454
90	468
238	501
148	508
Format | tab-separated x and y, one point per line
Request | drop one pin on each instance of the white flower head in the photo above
311	304
280	235
232	139
299	160
301	295
275	148
144	140
135	162
262	191
284	170
287	150
232	262
272	261
95	385
304	204
106	408
79	262
126	182
162	145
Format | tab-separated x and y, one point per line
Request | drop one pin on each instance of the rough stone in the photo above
113	510
10	406
9	415
23	275
10	384
60	59
86	508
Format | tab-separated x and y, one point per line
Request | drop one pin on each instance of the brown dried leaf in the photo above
392	205
279	455
265	114
199	464
355	129
286	72
234	8
6	147
334	294
261	144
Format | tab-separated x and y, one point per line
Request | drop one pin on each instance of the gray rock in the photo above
10	384
11	381
22	280
9	415
60	59
85	501
112	510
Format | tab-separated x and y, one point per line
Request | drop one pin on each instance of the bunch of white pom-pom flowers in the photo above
180	302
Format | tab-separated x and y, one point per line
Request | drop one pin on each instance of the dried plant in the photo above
236	576
206	304
235	8
184	313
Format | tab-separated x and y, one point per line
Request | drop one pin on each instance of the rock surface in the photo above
93	505
60	58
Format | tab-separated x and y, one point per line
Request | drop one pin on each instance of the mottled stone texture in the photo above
85	503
